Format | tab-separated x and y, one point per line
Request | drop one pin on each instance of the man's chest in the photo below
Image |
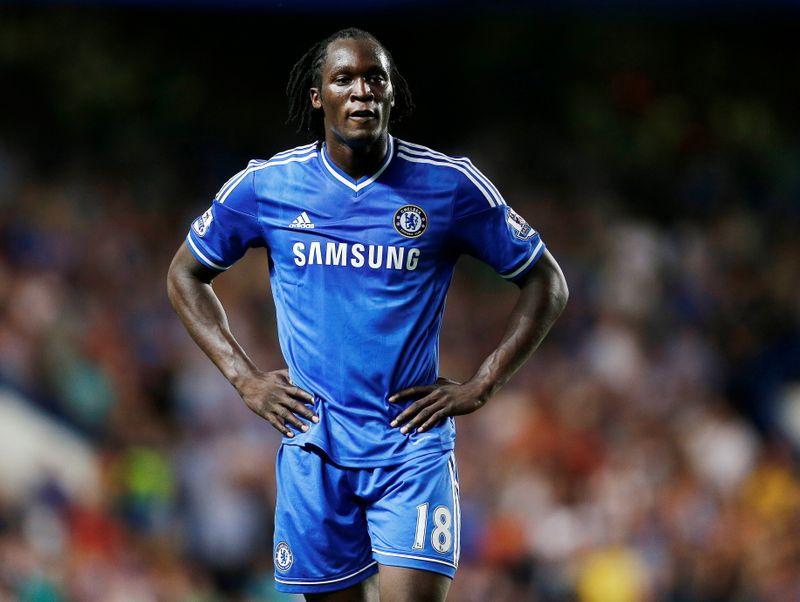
383	228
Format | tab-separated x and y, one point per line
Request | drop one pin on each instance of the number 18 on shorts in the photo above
333	524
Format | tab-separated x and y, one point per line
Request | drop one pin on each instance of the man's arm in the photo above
271	395
543	295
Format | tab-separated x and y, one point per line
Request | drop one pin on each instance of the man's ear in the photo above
316	100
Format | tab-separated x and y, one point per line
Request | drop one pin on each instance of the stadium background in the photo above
648	452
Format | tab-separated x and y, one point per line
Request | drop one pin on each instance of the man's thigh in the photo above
395	584
399	584
366	591
321	541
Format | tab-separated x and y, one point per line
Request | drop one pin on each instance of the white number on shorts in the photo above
422	520
442	535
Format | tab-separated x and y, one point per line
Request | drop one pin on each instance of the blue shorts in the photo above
333	525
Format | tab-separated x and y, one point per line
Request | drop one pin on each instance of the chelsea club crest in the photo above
283	557
410	221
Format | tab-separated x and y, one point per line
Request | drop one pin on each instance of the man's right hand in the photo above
272	396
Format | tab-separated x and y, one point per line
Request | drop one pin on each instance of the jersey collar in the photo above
361	183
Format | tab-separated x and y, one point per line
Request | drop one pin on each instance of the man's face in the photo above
355	93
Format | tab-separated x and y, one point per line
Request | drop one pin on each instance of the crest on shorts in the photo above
203	223
410	221
519	226
283	557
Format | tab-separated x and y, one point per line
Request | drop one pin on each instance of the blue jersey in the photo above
359	271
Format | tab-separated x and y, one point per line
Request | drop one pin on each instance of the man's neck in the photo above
355	160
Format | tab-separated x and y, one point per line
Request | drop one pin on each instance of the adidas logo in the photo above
302	221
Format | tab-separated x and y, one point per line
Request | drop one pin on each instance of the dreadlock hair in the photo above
307	73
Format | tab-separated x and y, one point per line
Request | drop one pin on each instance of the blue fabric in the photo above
359	272
333	524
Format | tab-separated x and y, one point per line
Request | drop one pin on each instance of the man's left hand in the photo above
436	402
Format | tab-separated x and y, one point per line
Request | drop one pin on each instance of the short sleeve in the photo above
220	237
488	229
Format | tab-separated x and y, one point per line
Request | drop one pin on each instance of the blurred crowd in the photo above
650	450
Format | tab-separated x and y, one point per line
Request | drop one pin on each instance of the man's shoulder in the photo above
288	157
413	149
265	170
293	155
451	168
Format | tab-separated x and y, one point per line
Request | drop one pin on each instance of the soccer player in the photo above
362	232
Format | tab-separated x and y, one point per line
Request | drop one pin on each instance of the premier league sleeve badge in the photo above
519	226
